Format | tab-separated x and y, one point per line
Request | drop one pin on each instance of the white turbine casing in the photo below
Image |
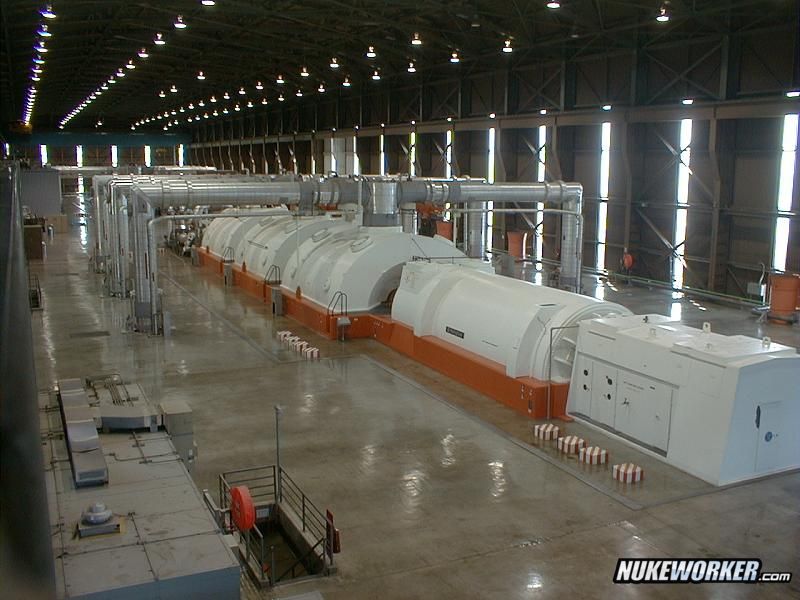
505	320
723	408
364	263
220	233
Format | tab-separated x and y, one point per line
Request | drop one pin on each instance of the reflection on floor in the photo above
438	491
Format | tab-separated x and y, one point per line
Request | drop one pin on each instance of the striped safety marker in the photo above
593	455
571	444
547	431
627	473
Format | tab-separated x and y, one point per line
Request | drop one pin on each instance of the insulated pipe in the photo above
152	252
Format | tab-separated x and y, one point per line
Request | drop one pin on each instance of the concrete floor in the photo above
438	491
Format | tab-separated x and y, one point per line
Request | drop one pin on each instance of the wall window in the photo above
448	154
148	157
79	155
541	144
785	191
43	154
114	156
490	179
602	204
356	161
382	154
681	212
180	155
412	153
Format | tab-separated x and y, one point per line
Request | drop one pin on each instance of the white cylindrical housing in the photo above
505	320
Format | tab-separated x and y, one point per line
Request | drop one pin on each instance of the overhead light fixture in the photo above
215	113
173	113
279	80
181	109
159	40
191	105
371	52
411	67
264	101
161	94
249	104
130	65
201	76
376	76
280	98
143	53
120	73
553	5
346	82
449	119
40	47
35	77
36	70
226	96
225	111
213	100
543	111
606	107
416	40
793	93
687	101
43	31
259	85
38	60
201	104
664	13
454	58
507	47
492	115
299	93
48	13
241	91
207	2
334	63
304	72
179	24
173	89
237	108
104	87
321	88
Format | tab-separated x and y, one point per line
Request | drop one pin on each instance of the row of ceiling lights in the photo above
40	49
142	54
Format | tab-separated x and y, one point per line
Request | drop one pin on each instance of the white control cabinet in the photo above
723	408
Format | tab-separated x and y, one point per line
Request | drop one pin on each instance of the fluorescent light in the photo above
241	91
376	76
793	93
201	76
507	48
334	63
553	5
179	24
416	40
279	79
371	52
664	14
411	67
48	13
454	58
207	2
143	53
606	107
259	85
159	40
687	101
304	72
346	82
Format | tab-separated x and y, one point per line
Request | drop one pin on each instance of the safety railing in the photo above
339	301
34	292
273	275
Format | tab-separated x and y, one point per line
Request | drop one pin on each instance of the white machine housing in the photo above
505	320
723	408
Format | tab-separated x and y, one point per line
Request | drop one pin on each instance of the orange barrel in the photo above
783	290
445	229
516	243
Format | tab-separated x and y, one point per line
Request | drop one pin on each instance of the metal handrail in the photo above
274	270
339	299
299	561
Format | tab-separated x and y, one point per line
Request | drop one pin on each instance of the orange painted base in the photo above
526	395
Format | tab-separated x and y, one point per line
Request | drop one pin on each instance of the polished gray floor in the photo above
438	491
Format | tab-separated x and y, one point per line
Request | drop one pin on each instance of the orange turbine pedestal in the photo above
783	294
516	243
445	229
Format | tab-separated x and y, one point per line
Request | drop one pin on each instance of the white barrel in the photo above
505	320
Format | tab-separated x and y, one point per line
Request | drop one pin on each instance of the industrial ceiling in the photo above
238	43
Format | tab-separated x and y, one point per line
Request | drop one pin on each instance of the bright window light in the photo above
602	205
79	155
148	157
7	149
43	154
490	179
313	164
448	154
180	155
681	213
541	144
412	153
382	155
114	156
785	190
333	156
356	161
